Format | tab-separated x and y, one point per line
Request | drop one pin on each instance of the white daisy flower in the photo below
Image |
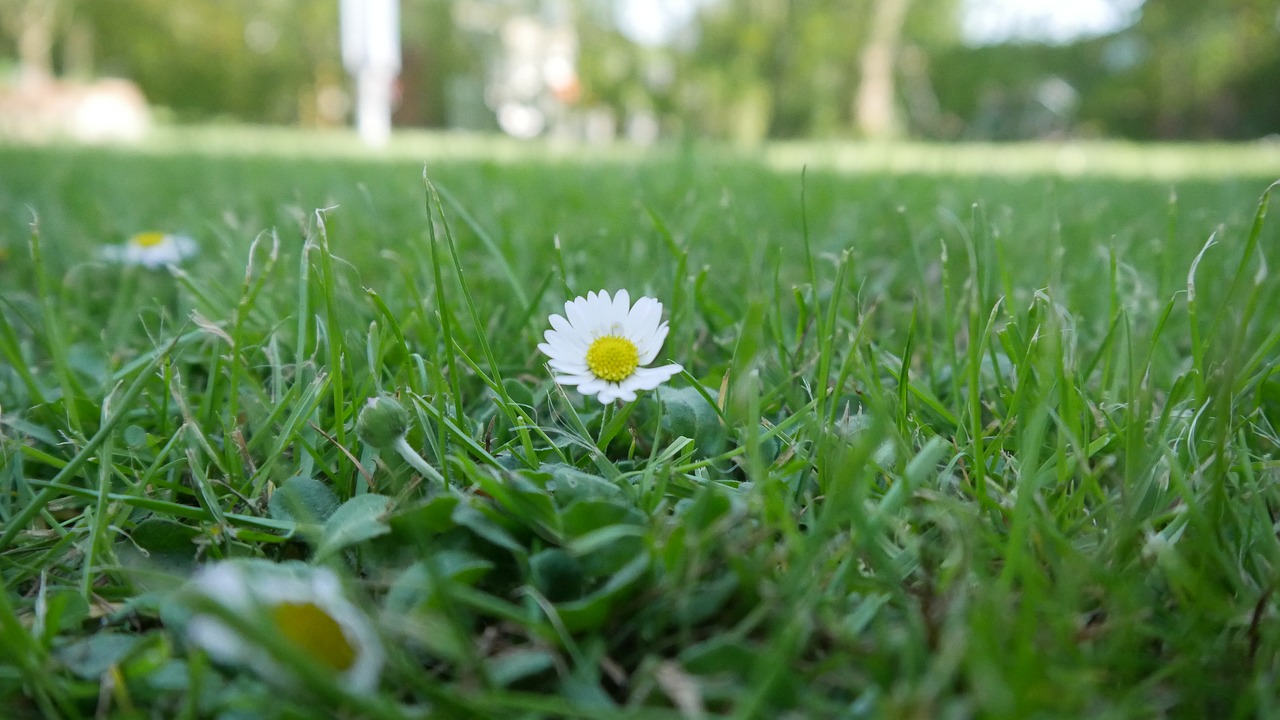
305	605
151	250
602	344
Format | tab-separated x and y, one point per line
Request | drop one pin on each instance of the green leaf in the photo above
557	574
707	598
587	516
524	500
485	527
519	392
605	536
518	664
592	611
159	536
361	518
91	657
171	676
64	610
431	517
686	413
158	553
709	505
414	587
303	500
569	484
135	437
723	654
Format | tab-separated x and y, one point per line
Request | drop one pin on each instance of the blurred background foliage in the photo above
740	70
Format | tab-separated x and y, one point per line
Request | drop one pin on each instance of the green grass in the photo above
956	438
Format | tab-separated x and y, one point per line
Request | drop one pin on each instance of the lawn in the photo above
960	432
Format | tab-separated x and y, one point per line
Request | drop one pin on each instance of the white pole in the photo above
371	54
373	106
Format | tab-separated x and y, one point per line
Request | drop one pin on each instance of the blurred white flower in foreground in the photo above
304	606
151	250
602	344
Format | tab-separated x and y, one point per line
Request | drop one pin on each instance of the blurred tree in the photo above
1017	91
815	68
874	108
436	53
750	69
266	61
764	68
618	76
741	69
254	60
1192	56
1260	115
1184	70
31	26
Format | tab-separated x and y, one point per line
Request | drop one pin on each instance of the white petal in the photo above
572	379
220	641
560	351
602	316
584	317
226	583
650	378
569	334
559	325
283	589
325	585
156	257
185	246
610	393
649	349
621	306
589	311
569	367
132	255
618	313
592	386
569	358
575	311
643	318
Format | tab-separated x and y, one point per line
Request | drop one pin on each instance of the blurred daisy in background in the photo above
151	250
602	344
304	606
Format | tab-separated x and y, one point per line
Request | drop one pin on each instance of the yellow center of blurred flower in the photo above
148	239
612	358
316	632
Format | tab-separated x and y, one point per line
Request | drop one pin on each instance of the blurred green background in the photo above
648	70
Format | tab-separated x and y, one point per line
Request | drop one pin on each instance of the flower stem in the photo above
401	446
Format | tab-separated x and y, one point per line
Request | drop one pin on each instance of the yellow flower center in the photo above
612	358
148	239
315	632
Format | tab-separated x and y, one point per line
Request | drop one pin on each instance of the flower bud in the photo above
383	422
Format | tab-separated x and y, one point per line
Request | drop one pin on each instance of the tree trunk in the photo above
33	26
874	107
